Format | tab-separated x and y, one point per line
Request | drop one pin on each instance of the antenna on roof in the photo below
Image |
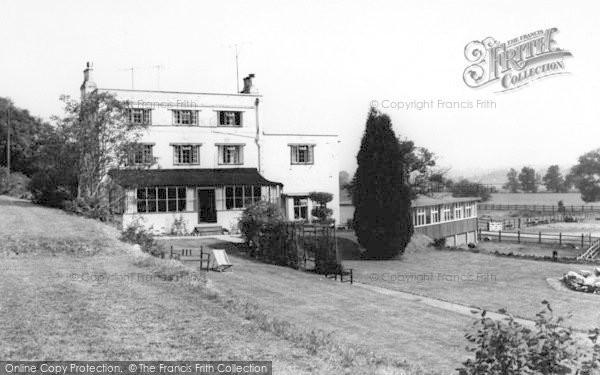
132	70
238	49
158	68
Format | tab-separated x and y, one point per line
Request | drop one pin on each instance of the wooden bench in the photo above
187	254
348	273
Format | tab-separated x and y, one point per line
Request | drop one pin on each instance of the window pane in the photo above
151	206
239	193
181	204
141	205
172	206
141	193
151	193
172	193
181	193
229	197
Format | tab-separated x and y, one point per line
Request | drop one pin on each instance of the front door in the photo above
206	206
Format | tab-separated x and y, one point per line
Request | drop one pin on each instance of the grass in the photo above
62	301
548	199
484	281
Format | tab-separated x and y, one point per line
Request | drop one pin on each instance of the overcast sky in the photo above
319	65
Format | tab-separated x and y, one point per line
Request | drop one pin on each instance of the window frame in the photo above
160	199
178	155
144	113
295	154
238	158
299	207
235	202
147	158
238	118
178	119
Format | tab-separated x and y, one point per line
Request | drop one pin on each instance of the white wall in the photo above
303	179
163	133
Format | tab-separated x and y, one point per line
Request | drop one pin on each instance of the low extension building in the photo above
207	156
449	218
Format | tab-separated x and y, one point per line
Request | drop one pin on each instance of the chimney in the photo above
88	85
249	87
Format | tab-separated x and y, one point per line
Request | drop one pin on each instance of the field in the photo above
539	198
70	290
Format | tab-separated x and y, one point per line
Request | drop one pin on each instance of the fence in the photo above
524	222
538	208
582	240
311	247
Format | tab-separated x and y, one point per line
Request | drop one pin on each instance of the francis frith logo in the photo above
514	63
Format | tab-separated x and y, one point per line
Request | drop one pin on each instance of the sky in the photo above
320	65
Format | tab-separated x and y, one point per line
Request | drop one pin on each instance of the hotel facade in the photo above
207	156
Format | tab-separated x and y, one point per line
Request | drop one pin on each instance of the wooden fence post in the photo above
540	237
560	238
518	236
519	223
499	236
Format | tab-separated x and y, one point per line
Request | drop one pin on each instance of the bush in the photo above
46	191
88	207
179	227
137	233
321	212
15	184
259	217
505	347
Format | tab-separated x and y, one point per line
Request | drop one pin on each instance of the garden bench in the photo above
347	272
187	254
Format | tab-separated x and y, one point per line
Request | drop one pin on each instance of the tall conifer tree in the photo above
380	195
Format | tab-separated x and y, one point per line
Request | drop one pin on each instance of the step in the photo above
207	230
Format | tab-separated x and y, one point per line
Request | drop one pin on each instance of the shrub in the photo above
46	191
93	208
179	227
15	184
505	347
439	242
321	212
258	217
137	233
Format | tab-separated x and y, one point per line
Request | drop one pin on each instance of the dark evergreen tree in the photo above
380	194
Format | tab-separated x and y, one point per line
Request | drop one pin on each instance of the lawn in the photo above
484	281
69	290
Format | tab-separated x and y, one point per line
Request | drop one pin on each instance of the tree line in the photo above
584	176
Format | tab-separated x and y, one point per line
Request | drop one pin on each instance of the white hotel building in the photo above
207	156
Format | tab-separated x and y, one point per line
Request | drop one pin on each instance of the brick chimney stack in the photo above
249	87
88	85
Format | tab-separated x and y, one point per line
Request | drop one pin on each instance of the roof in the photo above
424	201
189	177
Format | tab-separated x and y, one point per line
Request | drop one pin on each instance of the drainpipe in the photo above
257	138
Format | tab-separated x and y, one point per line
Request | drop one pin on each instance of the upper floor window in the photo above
141	154
230	118
185	117
302	154
231	154
186	154
139	116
